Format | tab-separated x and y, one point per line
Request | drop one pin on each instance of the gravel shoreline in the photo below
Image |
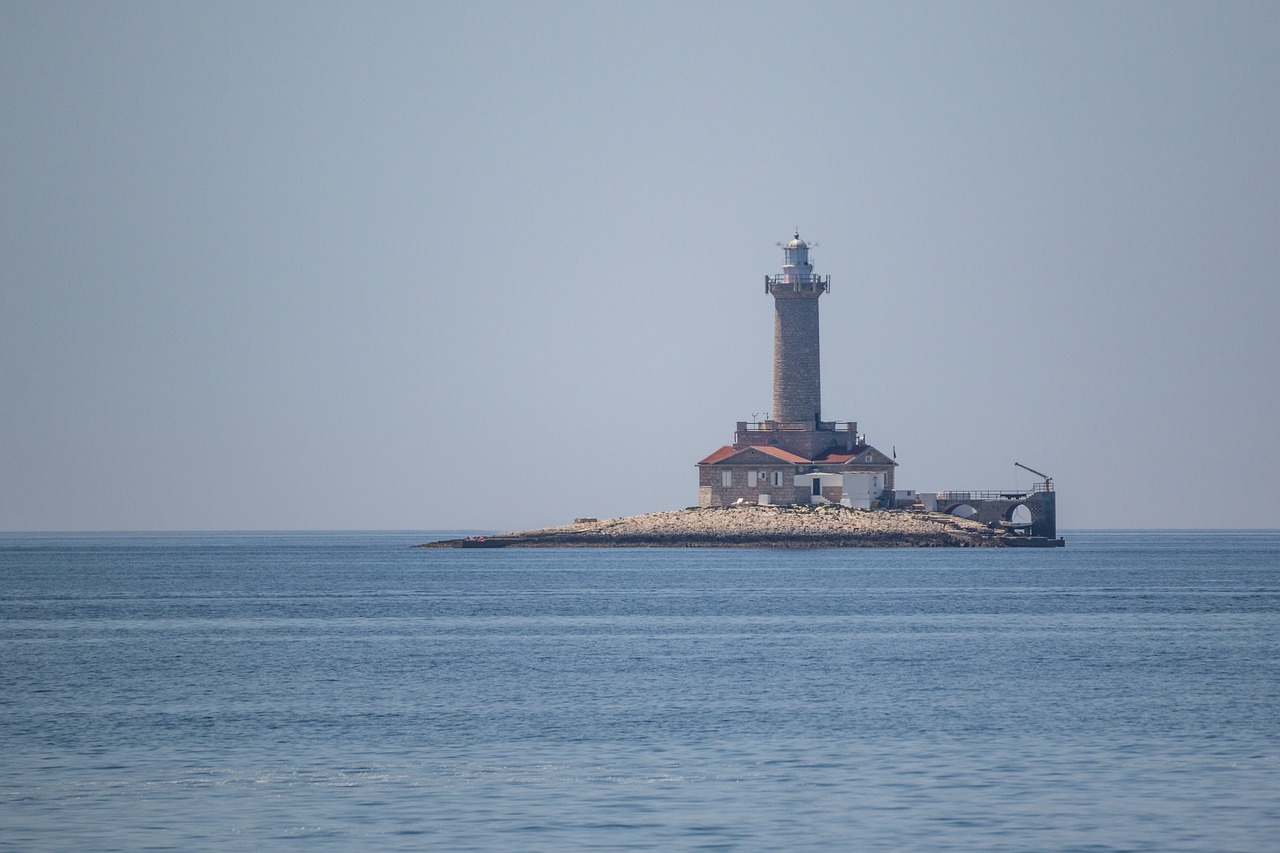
750	526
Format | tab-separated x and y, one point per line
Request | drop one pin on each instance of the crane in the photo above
1047	479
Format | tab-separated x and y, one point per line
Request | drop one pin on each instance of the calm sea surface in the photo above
342	691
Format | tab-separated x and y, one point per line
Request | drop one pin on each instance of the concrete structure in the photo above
998	508
795	457
862	491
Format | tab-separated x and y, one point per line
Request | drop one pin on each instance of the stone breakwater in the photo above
751	526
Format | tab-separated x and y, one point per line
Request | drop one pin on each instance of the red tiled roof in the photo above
727	450
838	457
784	455
776	452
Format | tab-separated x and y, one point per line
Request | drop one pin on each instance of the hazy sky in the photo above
495	265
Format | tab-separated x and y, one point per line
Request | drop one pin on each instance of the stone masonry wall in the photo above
797	386
711	492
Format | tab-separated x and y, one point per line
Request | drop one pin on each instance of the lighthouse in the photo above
794	456
797	385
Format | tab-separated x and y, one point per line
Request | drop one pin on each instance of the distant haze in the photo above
496	265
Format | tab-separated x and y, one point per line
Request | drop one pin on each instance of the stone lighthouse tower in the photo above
797	386
795	457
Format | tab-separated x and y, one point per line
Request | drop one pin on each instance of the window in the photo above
726	478
751	479
777	478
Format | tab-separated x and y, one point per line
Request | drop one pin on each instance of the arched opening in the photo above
1020	516
964	511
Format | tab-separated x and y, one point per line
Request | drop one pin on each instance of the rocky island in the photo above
752	526
794	480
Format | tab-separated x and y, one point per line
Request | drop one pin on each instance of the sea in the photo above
345	691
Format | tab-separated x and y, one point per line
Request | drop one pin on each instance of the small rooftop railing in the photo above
1038	488
821	426
798	283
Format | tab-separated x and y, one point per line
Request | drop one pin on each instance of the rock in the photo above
751	526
